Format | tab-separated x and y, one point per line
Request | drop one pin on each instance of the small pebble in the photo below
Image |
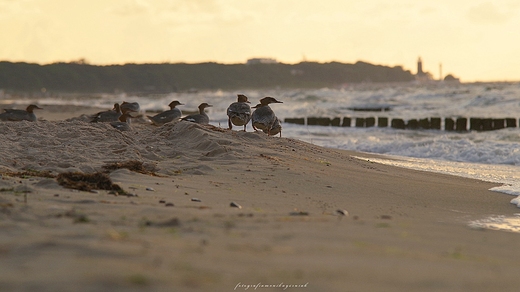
94	191
169	205
56	195
235	205
342	212
162	201
150	189
195	200
386	217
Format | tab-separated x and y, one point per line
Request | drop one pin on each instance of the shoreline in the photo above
406	230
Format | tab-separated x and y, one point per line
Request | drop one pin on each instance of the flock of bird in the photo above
239	114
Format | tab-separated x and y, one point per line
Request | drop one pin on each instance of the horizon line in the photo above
84	61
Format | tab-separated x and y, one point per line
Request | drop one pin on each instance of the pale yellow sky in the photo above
476	40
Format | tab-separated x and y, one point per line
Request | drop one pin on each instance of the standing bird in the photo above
20	115
167	116
201	117
108	116
264	118
239	113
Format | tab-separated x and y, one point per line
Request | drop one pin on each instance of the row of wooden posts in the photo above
450	124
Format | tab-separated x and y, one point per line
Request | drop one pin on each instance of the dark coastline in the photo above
181	77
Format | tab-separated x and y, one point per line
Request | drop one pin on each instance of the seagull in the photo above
108	116
167	116
263	117
201	117
130	106
20	115
239	112
123	124
276	128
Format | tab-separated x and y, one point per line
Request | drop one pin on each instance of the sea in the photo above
492	156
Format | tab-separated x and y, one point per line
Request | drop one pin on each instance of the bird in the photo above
201	117
130	106
123	124
276	128
167	116
239	113
263	117
20	115
108	116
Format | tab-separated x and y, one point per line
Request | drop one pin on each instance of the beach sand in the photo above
174	229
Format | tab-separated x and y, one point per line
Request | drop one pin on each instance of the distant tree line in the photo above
164	78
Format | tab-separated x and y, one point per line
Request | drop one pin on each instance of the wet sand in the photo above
175	230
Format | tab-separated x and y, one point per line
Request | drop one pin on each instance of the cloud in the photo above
194	6
130	8
488	13
199	15
15	8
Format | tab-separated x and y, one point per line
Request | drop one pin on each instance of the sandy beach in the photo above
209	209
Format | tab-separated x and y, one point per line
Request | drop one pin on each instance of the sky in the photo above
475	40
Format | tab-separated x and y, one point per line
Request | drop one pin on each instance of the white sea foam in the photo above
504	223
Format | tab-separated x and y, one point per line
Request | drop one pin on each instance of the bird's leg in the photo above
229	124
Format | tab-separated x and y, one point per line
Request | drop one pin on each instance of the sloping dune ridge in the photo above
81	146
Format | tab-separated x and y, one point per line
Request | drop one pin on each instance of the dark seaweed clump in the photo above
88	181
29	173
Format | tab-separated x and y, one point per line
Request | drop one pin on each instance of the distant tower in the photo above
440	71
419	67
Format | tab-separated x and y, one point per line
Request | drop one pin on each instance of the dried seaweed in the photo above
29	173
88	181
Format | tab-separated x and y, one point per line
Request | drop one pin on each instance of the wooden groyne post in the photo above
459	124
